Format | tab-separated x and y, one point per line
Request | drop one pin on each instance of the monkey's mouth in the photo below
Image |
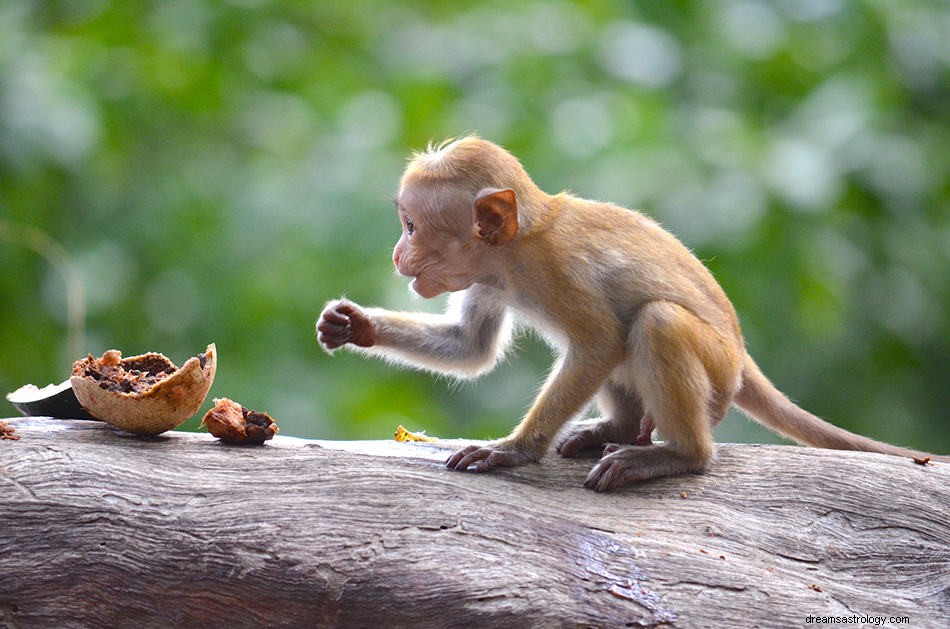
424	289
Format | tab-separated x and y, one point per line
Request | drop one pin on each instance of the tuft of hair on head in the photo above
470	160
433	159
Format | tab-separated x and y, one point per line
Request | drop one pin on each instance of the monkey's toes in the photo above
577	441
611	473
601	478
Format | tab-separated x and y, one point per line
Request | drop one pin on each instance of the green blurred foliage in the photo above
217	170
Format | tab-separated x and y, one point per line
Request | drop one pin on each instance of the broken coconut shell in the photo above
146	394
54	400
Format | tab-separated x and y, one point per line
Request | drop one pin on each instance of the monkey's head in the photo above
454	220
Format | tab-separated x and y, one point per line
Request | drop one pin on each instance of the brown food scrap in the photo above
813	586
232	422
404	435
922	461
683	494
110	358
8	432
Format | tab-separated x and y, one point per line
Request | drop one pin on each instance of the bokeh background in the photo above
180	172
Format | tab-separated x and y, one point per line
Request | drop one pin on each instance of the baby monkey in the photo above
638	322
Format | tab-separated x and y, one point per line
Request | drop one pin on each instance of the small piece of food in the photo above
922	461
231	422
146	394
54	400
404	435
8	432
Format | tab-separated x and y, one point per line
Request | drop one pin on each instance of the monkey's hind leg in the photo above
623	421
686	377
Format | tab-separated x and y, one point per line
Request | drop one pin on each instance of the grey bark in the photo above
99	528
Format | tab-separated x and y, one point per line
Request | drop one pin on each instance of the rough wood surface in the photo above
103	529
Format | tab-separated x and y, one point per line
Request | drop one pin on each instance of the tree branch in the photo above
100	528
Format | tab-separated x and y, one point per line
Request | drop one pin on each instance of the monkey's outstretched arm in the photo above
465	343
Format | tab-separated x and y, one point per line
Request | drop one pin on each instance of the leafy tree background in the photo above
217	170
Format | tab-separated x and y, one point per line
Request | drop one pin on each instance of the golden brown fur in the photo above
639	322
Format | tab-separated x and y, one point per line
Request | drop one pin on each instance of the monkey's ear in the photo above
495	213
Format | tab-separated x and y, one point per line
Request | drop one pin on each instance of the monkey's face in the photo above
437	248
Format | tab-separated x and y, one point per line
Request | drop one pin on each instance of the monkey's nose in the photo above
397	259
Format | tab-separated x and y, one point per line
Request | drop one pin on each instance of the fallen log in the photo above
102	528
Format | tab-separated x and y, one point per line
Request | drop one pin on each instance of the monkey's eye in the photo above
410	226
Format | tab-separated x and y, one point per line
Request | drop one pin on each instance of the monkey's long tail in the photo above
759	398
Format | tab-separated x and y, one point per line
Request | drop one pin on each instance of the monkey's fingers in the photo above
330	328
331	343
463	458
486	458
346	308
333	335
335	317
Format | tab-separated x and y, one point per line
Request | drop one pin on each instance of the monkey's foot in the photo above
595	433
499	454
622	465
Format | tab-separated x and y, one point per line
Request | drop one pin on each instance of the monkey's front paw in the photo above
343	322
489	457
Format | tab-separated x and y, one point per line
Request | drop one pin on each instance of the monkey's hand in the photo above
503	453
343	322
